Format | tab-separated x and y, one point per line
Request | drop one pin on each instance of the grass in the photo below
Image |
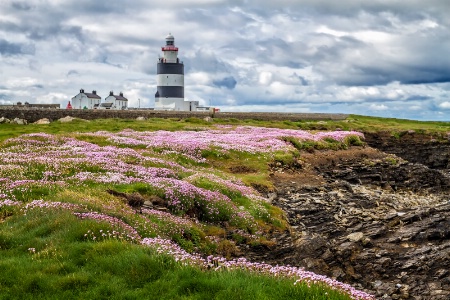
353	122
45	256
54	253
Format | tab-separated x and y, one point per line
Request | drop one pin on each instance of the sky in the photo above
388	58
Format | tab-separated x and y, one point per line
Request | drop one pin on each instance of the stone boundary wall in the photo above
32	115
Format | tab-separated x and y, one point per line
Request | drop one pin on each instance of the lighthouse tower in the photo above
170	79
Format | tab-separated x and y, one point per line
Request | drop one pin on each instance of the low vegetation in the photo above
352	123
159	209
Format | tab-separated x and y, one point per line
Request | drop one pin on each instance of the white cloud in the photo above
445	105
265	78
378	107
288	55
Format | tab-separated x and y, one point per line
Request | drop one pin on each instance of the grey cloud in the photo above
418	97
20	5
227	82
283	45
49	31
72	73
349	7
98	7
8	48
8	26
205	61
222	17
300	79
280	52
380	71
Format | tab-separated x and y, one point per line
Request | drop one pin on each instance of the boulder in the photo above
67	119
4	120
141	119
42	121
19	121
355	237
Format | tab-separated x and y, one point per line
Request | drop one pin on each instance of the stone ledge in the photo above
32	115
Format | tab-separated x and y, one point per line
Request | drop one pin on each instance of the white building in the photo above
86	100
115	102
170	80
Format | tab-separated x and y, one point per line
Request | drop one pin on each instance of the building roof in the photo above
120	98
117	97
93	96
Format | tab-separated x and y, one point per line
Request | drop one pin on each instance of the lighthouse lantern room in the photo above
170	79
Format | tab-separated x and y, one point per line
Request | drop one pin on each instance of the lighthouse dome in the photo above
170	40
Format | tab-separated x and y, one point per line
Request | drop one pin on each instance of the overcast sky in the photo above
381	57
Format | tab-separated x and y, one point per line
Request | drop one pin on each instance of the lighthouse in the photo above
170	79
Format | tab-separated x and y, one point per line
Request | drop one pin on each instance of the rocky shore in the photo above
369	218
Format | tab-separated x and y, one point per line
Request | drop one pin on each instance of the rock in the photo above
19	121
4	120
355	237
42	121
141	119
271	197
441	273
66	119
393	243
208	119
337	273
413	147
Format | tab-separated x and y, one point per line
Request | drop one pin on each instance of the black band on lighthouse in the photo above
170	68
170	91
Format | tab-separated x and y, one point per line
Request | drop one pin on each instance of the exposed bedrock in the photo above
364	217
431	151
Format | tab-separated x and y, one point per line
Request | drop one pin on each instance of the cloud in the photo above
379	57
227	82
11	48
374	106
7	48
72	73
445	105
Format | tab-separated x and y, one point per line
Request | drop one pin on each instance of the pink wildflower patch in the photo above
218	263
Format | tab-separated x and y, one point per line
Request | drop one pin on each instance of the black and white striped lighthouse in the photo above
170	78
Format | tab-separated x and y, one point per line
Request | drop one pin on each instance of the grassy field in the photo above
353	122
64	232
45	256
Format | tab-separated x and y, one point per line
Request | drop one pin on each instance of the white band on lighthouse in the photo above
170	80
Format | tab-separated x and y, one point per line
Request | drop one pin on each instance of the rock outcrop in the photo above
367	218
431	151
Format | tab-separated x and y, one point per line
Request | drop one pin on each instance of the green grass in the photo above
46	256
353	122
67	263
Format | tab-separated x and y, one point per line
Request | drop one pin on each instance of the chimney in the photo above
81	91
121	94
94	92
111	93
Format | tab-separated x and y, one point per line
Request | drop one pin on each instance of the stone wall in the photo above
32	115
